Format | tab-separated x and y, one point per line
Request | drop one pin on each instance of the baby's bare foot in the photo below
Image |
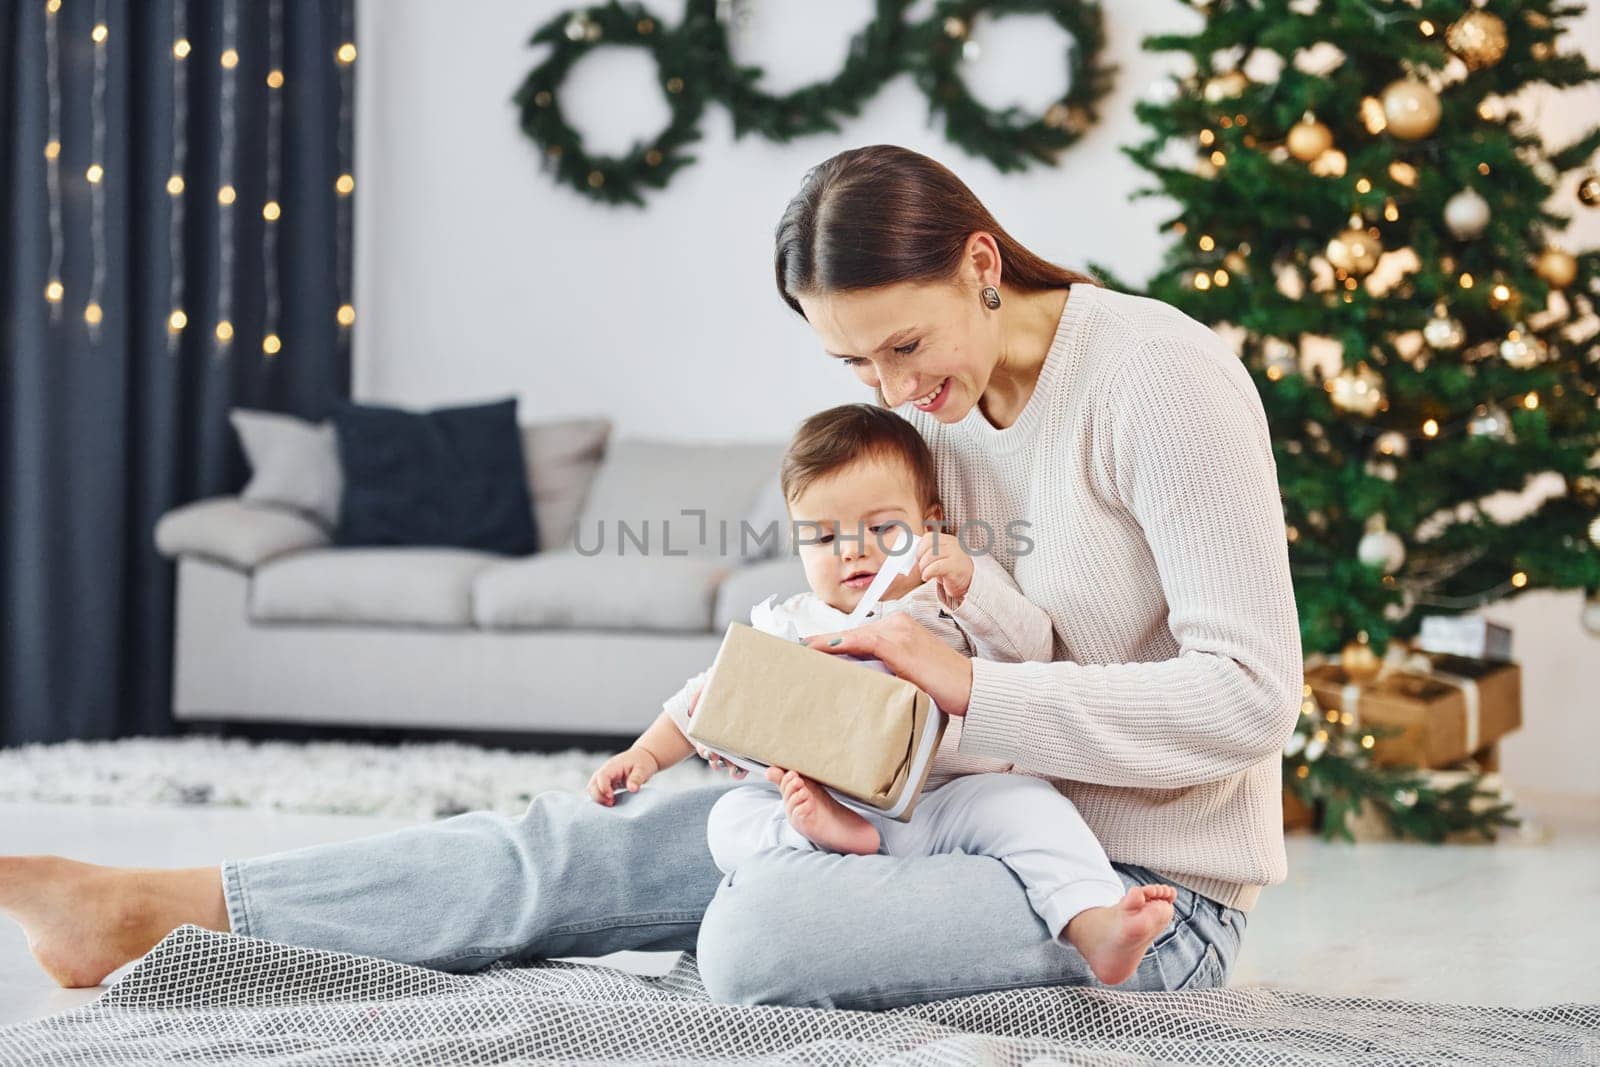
84	921
816	814
1113	939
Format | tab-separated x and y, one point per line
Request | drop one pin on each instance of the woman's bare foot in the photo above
814	812
1113	939
84	921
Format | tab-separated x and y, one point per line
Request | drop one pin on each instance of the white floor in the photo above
1507	924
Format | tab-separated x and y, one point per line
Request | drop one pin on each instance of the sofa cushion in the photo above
562	456
293	463
450	477
603	592
231	531
647	485
752	583
399	586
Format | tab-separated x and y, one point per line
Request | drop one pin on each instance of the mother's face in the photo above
931	343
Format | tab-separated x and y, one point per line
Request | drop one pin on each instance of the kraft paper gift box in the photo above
866	735
1453	710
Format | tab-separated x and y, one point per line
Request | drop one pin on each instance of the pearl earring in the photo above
991	297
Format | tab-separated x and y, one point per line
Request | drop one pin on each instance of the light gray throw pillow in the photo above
294	464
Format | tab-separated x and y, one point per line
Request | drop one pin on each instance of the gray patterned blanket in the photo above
206	997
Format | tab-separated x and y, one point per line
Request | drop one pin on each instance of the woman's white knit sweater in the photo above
1142	467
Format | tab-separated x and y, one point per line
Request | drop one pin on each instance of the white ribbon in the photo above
1469	693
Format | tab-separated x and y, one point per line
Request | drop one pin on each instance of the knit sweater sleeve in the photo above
1001	622
1182	444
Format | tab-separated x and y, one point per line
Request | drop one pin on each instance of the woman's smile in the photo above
931	402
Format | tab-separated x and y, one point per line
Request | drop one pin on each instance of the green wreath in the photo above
874	58
695	66
682	69
1010	138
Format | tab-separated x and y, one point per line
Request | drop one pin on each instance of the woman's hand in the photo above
942	558
912	653
717	760
629	770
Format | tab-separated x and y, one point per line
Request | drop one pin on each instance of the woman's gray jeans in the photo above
573	878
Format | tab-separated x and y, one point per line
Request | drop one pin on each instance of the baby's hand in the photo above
629	770
715	759
941	558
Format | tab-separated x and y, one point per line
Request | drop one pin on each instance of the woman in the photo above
1131	444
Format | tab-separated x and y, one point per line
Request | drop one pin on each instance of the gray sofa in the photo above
276	624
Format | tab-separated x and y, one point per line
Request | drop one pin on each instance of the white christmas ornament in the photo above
1467	214
1380	548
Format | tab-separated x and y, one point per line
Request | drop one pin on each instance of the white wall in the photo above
477	276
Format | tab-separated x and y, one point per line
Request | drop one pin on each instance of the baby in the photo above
852	475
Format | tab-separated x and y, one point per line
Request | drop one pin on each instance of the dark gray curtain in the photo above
100	436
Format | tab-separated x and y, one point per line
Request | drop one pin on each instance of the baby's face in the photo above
873	498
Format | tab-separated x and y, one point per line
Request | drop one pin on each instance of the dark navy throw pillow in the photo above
450	477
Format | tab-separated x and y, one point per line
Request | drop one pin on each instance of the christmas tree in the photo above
1365	209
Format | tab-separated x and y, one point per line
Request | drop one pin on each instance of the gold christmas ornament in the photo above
1359	662
1589	190
1355	251
1403	173
1358	390
1309	138
1226	86
1479	38
1412	109
1557	266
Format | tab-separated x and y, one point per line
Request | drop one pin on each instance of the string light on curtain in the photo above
54	291
345	184
93	312
226	194
272	210
177	319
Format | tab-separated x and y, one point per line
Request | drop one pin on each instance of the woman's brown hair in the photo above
884	214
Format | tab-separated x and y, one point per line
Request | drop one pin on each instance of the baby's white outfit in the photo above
969	804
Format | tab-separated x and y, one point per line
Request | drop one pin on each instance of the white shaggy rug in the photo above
421	780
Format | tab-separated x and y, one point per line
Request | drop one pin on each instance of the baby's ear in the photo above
934	516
